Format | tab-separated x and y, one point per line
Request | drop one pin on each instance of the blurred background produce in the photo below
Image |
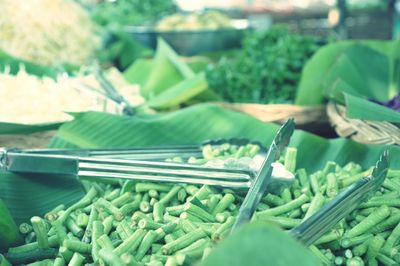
48	32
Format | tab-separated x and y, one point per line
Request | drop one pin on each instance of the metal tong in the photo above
339	207
92	168
263	180
157	153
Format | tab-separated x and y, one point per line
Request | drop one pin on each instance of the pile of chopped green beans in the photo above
135	223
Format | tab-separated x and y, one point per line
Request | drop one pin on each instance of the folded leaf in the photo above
361	108
180	93
260	244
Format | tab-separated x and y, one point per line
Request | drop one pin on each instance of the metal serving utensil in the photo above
339	207
157	153
263	178
92	168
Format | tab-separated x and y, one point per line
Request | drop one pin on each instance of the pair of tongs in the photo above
339	207
94	168
329	215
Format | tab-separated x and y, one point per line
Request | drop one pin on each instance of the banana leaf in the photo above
14	64
257	244
13	128
352	73
313	80
35	194
168	81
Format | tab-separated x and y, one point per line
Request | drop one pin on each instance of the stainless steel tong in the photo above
157	153
94	168
329	215
263	180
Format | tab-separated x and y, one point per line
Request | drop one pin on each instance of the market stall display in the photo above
75	79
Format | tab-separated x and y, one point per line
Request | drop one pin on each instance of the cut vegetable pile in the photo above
134	223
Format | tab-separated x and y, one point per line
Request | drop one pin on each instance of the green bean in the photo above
104	242
391	240
82	219
195	250
387	224
124	230
296	203
206	252
303	178
109	257
73	227
144	206
222	216
59	261
110	208
272	199
332	186
32	255
122	200
181	195
158	211
113	194
290	159
52	215
200	213
25	228
131	207
83	202
349	242
380	202
65	253
183	241
88	231
319	255
190	189
286	195
77	246
60	231
339	260
348	253
356	261
361	249
345	182
295	213
374	218
223	228
315	186
108	224
171	261
203	192
97	232
172	192
391	185
374	246
129	260
145	245
316	203
40	230
385	260
148	224
131	243
329	237
330	167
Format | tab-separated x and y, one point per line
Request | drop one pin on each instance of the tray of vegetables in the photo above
147	223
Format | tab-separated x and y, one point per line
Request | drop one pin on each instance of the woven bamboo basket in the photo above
368	132
279	113
27	141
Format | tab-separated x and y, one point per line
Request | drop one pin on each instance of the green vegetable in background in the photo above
266	70
131	12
